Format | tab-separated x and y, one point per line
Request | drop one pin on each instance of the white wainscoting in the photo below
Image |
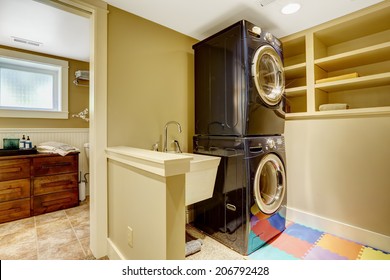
71	136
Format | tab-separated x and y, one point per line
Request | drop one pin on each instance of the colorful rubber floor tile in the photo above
304	233
319	253
368	253
291	245
340	246
268	252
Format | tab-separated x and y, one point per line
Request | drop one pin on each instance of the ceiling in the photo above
66	34
202	18
61	33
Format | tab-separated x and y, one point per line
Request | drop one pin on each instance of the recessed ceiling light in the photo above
290	8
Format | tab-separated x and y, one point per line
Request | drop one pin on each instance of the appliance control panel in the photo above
271	144
269	37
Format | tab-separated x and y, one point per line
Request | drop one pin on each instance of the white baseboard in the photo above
113	251
350	232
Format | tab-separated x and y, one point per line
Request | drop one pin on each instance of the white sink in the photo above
201	178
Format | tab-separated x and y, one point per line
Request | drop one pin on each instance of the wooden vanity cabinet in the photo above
36	184
54	183
15	189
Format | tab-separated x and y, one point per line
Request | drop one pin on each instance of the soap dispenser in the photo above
28	143
22	142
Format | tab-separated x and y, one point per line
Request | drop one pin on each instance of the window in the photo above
33	86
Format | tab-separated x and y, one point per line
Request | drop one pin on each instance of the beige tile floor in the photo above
211	249
64	235
60	235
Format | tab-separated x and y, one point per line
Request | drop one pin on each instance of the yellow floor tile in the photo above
340	246
371	254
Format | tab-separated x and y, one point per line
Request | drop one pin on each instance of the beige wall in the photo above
78	101
150	82
152	206
339	169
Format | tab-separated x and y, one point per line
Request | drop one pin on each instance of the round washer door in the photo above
268	74
270	184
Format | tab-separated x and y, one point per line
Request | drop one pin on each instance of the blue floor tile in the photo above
304	233
270	253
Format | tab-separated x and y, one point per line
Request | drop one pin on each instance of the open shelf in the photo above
367	55
340	113
377	80
296	91
352	54
294	51
295	71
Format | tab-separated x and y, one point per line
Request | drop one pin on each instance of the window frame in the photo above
21	59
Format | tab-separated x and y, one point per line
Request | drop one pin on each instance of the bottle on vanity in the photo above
22	143
28	143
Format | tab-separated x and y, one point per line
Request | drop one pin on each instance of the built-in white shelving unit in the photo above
346	60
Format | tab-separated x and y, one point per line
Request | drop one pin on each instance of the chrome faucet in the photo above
165	149
177	145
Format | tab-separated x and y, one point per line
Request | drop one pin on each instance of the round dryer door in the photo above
270	184
268	74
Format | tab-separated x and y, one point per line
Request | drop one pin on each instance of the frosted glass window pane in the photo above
23	89
33	86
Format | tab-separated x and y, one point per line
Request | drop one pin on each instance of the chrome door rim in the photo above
273	97
280	188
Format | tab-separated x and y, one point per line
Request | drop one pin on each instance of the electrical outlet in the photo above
130	236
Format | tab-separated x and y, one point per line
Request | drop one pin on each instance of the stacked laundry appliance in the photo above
239	116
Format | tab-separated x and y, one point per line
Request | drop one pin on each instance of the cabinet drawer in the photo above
54	183
13	210
55	201
55	165
16	189
14	169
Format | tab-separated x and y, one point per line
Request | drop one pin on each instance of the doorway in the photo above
96	11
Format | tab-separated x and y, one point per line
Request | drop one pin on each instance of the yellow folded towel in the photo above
338	78
334	106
